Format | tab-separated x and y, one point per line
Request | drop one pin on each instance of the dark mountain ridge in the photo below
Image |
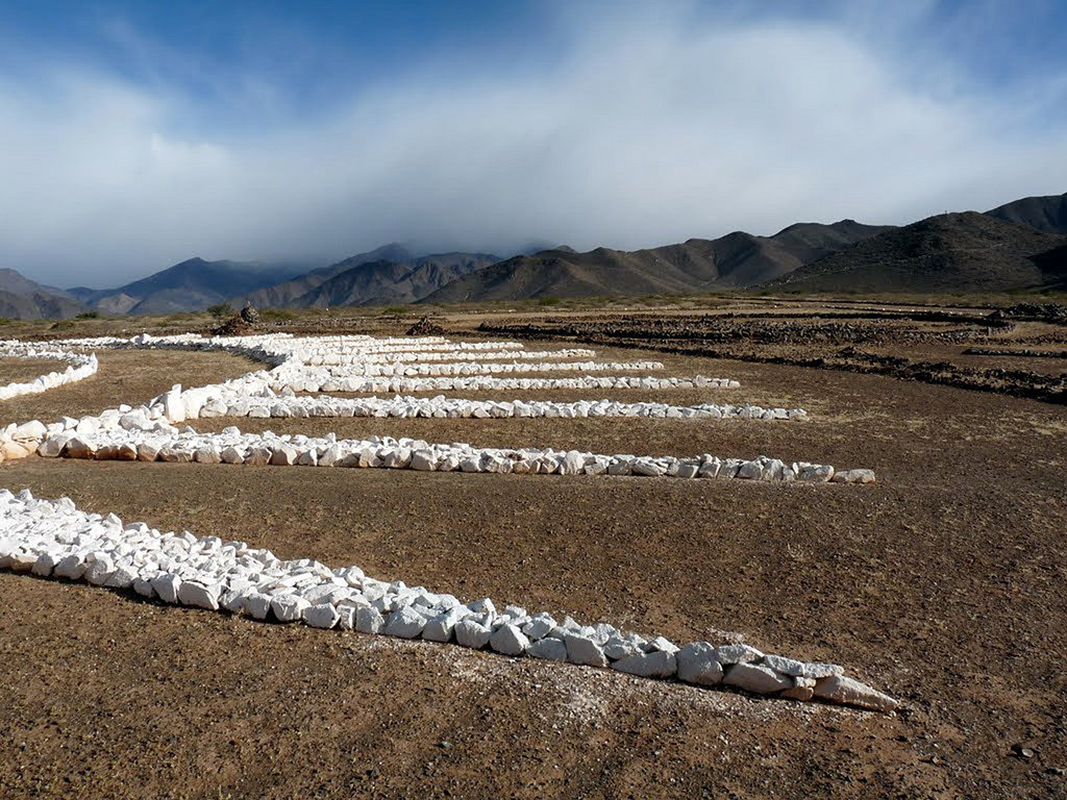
964	251
21	298
383	281
192	285
287	292
736	260
1043	213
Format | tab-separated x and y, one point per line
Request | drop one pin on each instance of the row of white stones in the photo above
395	355
120	433
336	364
435	369
80	367
300	382
56	540
239	405
162	442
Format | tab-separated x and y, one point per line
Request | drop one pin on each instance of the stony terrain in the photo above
942	583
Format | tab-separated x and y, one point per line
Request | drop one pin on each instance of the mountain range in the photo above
1022	244
947	253
389	274
736	260
21	298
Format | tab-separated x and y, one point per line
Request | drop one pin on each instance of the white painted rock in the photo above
509	640
200	595
728	654
369	620
166	586
257	604
549	648
584	650
841	689
441	627
790	666
756	679
470	634
288	607
657	664
698	665
322	615
406	622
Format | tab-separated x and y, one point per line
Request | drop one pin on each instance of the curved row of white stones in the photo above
92	436
79	367
56	540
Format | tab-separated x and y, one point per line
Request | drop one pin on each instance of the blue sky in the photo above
136	134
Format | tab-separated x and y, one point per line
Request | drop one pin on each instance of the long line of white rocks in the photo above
80	367
235	404
148	433
56	540
162	442
336	364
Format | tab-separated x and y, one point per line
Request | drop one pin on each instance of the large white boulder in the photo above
509	640
657	664
697	664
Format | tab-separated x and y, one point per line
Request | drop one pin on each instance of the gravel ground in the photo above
942	584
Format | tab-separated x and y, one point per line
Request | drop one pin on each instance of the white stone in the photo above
322	615
757	679
657	664
549	648
841	689
584	650
697	664
166	587
470	634
509	640
200	595
369	620
405	622
288	607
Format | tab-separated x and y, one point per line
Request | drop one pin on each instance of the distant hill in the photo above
1044	213
21	298
736	260
192	285
950	252
381	282
286	293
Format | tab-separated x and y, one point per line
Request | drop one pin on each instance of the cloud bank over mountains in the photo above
639	130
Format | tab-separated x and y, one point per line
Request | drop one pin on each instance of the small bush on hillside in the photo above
220	310
89	315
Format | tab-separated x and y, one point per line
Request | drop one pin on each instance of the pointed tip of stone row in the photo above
848	691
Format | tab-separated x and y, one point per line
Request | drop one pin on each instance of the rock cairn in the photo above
424	327
56	540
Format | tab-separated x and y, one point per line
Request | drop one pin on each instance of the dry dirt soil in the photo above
943	584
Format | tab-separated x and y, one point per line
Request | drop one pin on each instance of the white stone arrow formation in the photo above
56	540
327	363
79	367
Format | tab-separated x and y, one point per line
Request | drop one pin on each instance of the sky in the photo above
134	135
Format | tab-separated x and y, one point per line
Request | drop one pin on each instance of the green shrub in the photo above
220	310
89	315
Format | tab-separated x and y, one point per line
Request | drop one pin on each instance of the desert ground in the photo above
941	584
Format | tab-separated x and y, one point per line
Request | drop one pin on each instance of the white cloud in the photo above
646	132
